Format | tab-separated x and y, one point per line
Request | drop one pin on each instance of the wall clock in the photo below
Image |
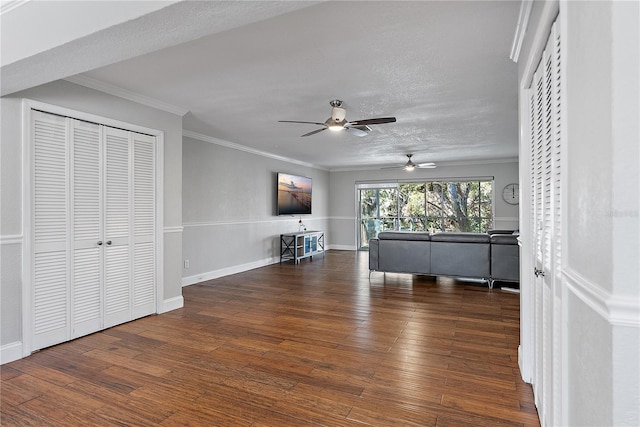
511	194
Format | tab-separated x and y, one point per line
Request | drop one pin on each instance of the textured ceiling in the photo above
441	68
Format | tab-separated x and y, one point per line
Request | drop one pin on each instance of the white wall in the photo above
598	374
342	193
603	97
78	98
229	212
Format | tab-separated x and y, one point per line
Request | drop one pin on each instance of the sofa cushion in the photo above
460	258
404	235
461	237
505	262
404	256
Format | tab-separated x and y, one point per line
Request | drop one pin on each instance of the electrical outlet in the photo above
186	263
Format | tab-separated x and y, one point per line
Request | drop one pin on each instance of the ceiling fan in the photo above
338	121
409	166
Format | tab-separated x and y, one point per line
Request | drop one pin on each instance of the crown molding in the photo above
8	6
521	29
126	94
233	145
438	164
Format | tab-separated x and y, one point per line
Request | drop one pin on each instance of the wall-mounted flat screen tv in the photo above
294	194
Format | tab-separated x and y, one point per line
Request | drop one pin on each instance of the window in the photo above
424	206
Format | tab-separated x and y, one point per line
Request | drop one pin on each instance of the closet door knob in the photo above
99	242
108	242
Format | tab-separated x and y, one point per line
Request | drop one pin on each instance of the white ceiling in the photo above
441	68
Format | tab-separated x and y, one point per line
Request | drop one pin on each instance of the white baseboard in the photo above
202	277
10	352
342	247
172	304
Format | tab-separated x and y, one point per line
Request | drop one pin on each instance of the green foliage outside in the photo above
426	206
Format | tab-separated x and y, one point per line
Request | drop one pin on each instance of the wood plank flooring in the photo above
313	344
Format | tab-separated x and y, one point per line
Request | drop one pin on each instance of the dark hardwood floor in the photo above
316	343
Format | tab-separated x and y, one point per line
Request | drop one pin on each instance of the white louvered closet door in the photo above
50	228
93	217
144	225
87	250
545	110
118	263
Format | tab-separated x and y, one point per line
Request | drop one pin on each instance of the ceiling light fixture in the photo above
335	126
409	166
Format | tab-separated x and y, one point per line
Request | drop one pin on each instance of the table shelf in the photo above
297	246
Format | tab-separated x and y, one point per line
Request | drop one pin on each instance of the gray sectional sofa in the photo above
492	256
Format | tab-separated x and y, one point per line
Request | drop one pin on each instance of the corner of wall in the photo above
172	304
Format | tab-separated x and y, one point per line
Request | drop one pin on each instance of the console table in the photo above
296	246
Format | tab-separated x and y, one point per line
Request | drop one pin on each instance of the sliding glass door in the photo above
378	211
464	206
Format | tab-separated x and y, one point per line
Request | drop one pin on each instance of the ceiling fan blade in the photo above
358	130
295	121
426	165
378	121
314	132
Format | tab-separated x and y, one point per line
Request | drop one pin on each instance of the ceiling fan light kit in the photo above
338	121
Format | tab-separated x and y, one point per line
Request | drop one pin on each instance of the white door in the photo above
118	265
87	231
50	230
545	173
144	225
93	216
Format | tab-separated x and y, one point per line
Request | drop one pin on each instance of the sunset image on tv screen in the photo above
294	194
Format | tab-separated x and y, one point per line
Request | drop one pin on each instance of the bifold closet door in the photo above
129	245
86	230
546	213
143	190
118	265
93	216
50	221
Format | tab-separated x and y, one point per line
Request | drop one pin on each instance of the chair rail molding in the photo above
617	310
11	239
173	229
